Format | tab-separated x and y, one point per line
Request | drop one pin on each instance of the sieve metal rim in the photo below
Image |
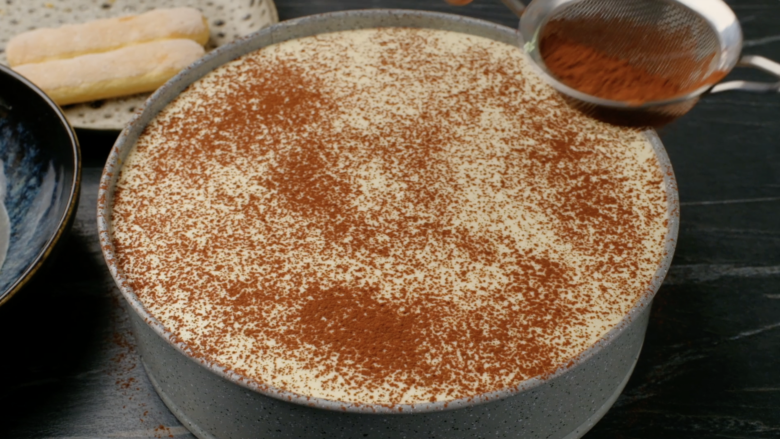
716	13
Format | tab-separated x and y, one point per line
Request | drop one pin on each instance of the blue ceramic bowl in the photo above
39	183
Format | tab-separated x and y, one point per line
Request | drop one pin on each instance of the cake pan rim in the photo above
129	135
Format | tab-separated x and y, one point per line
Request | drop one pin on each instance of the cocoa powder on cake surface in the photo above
387	217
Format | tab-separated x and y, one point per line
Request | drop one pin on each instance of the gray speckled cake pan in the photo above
215	403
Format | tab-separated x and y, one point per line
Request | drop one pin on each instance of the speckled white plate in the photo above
228	20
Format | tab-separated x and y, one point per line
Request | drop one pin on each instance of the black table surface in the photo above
710	367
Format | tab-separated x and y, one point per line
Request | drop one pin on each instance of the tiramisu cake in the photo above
387	216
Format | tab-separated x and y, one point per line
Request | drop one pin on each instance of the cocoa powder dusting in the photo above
386	216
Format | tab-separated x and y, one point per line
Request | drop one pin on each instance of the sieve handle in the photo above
758	62
515	6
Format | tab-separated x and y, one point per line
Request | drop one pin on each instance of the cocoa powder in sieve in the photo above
568	50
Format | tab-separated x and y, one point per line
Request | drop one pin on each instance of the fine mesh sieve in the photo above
692	43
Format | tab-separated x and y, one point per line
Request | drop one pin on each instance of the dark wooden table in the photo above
710	367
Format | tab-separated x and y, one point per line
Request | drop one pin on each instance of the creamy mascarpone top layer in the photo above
386	216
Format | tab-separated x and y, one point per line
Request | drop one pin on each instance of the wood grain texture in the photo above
710	367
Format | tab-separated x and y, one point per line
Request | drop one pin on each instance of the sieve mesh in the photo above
662	37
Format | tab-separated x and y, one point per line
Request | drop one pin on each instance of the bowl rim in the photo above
73	192
285	31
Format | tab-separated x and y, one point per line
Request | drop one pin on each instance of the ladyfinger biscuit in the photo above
132	69
108	34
